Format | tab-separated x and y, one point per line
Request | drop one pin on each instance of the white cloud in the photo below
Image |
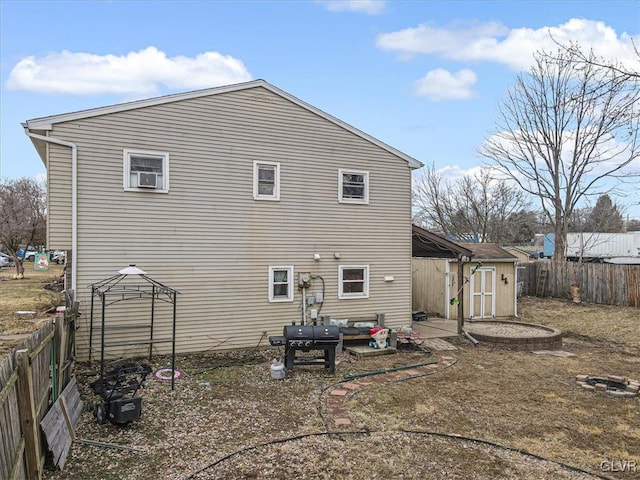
443	41
441	84
493	42
453	173
370	7
137	73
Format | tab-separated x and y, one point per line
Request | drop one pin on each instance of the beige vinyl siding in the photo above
59	197
209	239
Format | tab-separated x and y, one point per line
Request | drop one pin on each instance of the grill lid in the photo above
298	332
325	333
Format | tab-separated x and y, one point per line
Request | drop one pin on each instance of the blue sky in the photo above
423	76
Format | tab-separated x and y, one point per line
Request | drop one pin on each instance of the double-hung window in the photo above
353	281
281	284
266	180
353	186
146	171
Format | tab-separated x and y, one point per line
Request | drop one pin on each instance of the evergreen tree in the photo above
605	217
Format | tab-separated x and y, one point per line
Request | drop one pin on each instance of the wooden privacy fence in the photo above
31	379
599	282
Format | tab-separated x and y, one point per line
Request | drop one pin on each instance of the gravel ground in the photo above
228	419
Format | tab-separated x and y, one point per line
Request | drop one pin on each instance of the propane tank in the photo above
278	371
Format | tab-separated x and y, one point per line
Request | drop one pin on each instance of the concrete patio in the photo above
436	328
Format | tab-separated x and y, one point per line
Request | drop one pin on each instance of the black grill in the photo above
306	338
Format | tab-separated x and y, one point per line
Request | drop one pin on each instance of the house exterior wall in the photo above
208	238
430	281
59	197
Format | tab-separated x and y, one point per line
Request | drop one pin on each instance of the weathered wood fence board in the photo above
60	422
599	282
10	433
30	378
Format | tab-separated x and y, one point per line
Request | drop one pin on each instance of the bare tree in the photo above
562	131
473	208
582	58
579	219
22	216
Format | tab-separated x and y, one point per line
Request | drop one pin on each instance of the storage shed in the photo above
482	285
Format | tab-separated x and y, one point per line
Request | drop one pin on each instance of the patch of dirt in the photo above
228	419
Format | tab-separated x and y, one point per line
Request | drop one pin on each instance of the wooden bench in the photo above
377	319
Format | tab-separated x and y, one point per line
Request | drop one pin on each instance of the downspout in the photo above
74	199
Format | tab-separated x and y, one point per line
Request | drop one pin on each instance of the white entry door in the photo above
482	303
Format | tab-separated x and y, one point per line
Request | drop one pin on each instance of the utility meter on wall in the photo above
304	280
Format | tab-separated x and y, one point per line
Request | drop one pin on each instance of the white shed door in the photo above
482	303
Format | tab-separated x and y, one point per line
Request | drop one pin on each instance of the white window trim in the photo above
289	297
365	200
345	296
126	172
276	188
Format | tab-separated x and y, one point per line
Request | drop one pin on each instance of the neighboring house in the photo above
521	254
488	287
227	195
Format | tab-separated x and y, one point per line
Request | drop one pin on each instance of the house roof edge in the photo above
46	123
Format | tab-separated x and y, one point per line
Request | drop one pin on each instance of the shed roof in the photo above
428	244
489	251
44	124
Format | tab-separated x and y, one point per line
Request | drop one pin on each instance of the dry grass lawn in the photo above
25	295
228	419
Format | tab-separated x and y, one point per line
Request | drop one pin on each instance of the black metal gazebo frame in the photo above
114	290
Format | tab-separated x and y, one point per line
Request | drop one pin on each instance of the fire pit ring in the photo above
611	384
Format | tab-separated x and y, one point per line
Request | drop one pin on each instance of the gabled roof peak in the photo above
46	123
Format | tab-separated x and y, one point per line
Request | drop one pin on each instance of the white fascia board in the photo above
46	123
413	163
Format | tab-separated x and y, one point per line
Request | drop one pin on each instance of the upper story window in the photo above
266	180
353	186
146	171
353	281
281	284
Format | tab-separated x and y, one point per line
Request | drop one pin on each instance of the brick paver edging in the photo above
334	398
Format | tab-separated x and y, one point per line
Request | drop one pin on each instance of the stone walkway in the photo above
334	398
438	344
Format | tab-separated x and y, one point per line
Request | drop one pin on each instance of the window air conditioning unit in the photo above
147	180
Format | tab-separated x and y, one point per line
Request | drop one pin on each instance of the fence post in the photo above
58	359
28	419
